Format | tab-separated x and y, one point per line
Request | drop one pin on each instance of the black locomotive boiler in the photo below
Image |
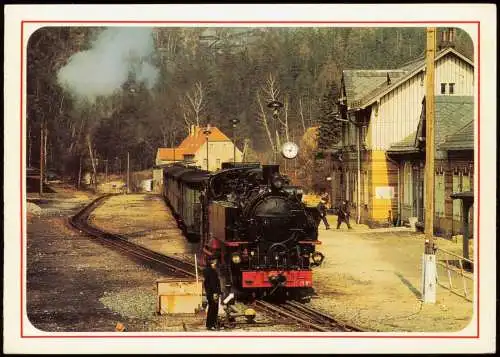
253	221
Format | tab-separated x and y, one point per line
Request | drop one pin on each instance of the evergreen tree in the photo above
330	130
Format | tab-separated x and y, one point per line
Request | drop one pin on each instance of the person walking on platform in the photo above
212	287
343	214
322	212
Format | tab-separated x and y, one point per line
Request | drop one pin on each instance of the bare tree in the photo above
272	91
196	100
263	120
301	113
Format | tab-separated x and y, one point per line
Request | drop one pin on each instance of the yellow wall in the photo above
382	174
217	150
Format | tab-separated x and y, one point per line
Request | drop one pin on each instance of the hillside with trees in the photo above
95	94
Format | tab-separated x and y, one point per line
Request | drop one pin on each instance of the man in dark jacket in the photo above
343	214
322	213
212	287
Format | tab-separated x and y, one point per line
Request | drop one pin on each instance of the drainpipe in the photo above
399	188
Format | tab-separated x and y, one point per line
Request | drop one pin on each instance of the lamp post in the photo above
276	106
358	209
330	181
234	122
207	133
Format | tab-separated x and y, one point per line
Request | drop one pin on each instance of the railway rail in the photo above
306	315
165	264
292	310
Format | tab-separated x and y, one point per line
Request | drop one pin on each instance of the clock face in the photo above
290	150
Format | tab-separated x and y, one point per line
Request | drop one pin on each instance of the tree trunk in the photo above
45	134
79	173
93	178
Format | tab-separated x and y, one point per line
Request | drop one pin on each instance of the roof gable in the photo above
358	83
412	70
194	141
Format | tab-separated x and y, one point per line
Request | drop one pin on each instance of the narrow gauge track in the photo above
306	316
292	310
162	263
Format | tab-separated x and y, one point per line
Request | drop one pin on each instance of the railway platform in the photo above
371	278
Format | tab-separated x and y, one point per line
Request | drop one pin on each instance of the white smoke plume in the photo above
102	70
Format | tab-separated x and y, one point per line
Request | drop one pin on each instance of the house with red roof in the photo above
206	149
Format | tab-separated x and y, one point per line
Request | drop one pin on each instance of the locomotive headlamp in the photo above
317	258
236	258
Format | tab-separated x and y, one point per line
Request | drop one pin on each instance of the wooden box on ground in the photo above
178	296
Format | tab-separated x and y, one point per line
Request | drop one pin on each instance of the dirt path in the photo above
373	279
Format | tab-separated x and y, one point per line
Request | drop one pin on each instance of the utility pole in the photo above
429	257
128	172
234	122
106	174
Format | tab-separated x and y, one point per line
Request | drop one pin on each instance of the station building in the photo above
381	113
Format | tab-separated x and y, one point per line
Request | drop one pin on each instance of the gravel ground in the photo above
369	278
75	284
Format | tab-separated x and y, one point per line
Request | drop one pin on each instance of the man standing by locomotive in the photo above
212	287
322	212
343	214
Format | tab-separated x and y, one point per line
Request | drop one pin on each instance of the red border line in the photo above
249	22
21	173
243	22
478	160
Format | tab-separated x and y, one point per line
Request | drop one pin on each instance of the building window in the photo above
205	163
451	87
461	183
443	88
407	184
439	195
218	163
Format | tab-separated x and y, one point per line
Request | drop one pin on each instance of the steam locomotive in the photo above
252	221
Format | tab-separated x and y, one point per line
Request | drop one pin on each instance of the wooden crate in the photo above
178	296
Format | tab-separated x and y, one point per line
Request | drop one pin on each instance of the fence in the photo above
455	273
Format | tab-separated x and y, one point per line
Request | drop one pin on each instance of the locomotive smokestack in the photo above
268	172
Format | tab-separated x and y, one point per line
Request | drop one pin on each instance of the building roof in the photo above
170	154
195	140
463	139
359	83
451	112
411	70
